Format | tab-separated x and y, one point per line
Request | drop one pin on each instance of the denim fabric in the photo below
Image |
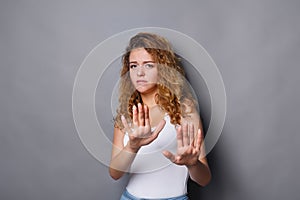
127	196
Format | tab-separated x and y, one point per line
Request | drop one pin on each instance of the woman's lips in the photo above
141	81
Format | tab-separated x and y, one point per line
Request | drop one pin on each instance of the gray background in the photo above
255	44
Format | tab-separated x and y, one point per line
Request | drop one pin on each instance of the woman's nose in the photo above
140	71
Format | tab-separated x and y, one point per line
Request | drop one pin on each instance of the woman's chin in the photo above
145	90
142	90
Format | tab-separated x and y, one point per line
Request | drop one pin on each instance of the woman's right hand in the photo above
140	133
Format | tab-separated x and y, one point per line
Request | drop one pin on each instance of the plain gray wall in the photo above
255	45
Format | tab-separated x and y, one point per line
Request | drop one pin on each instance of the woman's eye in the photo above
149	66
132	66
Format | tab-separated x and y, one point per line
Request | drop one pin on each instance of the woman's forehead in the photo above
140	54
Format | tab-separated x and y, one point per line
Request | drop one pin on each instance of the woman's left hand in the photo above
188	146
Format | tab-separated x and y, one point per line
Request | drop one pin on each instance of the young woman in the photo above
156	108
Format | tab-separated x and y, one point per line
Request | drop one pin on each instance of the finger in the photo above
159	127
141	116
169	155
191	134
134	116
185	134
125	124
156	132
147	120
199	139
179	136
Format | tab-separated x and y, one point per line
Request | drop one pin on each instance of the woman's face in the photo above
143	71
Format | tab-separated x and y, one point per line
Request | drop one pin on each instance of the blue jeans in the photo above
127	196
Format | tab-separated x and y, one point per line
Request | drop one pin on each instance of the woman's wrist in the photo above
131	149
193	165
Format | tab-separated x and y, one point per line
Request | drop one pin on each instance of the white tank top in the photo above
152	175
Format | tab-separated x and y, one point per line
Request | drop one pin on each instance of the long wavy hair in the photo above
172	87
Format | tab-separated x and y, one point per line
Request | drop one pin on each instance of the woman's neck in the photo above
149	99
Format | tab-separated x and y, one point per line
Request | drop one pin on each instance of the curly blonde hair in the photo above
172	88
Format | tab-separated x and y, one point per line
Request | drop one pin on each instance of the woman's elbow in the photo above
114	174
205	181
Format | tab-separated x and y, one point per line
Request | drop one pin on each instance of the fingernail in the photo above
133	107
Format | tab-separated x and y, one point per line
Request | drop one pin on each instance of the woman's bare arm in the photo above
139	135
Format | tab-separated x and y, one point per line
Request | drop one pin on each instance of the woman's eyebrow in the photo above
148	61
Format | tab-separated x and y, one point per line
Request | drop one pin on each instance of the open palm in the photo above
140	133
188	146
